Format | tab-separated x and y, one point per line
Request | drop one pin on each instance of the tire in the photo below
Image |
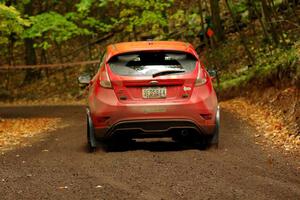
203	143
91	141
215	138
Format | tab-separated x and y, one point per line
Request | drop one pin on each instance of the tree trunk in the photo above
216	19
251	15
10	60
269	21
261	23
251	10
44	60
278	21
30	54
60	56
242	37
202	24
11	50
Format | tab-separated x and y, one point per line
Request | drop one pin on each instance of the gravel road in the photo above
60	167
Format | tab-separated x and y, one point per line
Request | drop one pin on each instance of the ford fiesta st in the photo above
151	89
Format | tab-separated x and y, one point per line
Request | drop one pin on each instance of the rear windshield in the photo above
149	63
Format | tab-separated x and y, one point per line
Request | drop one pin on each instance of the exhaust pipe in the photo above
184	133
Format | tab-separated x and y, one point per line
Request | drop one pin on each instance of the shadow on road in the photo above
148	145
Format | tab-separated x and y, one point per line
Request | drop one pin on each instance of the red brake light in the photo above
201	77
104	78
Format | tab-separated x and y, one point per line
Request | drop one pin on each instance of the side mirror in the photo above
212	73
84	79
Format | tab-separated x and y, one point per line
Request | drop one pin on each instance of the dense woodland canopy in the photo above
228	32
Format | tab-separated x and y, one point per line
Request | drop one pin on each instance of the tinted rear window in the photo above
148	63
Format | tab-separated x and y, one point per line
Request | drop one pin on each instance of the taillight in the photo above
104	78
201	77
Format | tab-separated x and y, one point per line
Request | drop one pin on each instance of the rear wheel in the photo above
91	142
214	141
211	140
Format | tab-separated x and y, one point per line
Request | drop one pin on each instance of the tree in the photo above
51	28
140	17
242	37
216	19
30	55
268	18
11	28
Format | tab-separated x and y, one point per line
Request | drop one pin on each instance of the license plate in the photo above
154	92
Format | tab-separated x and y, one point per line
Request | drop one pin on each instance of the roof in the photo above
126	47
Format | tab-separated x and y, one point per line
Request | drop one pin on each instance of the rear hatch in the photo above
153	76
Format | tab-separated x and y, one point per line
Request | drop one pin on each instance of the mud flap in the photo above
90	132
215	138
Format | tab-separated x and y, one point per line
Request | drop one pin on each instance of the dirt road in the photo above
60	167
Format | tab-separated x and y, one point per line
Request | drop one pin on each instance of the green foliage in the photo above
84	6
97	24
238	7
190	22
52	27
11	23
145	4
268	64
142	16
130	15
270	61
91	21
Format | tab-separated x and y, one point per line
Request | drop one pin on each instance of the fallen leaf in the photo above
63	187
15	131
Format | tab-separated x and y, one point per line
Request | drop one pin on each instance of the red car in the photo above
151	89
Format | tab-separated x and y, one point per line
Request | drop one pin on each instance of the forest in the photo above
243	39
46	120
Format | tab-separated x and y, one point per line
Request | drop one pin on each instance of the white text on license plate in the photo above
154	92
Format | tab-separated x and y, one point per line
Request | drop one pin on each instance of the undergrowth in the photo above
269	64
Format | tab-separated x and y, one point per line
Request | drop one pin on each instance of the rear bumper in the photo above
152	128
112	117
